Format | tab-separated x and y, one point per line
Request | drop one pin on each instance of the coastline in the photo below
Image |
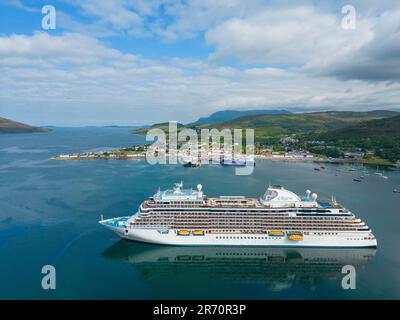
99	157
142	156
379	162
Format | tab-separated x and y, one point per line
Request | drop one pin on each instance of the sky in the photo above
136	62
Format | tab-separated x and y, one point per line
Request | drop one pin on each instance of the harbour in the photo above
50	212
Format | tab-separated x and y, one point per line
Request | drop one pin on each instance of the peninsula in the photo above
10	126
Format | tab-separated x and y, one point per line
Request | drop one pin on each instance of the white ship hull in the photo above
341	240
279	218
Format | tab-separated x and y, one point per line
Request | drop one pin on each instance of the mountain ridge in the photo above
226	115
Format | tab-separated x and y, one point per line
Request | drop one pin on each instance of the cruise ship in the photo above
187	217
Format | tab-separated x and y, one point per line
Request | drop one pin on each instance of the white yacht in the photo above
278	218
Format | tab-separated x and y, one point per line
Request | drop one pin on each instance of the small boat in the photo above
238	163
191	164
396	190
322	167
295	237
276	233
276	259
183	232
198	258
361	177
317	169
384	177
357	180
183	258
198	233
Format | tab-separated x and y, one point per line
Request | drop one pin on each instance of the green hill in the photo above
381	135
163	126
367	129
9	126
227	115
373	130
268	126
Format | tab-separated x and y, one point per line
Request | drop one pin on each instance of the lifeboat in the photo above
198	233
276	233
276	259
198	258
183	258
183	232
295	237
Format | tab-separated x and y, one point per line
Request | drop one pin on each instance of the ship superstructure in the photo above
278	218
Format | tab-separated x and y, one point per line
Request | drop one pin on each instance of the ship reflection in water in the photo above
278	268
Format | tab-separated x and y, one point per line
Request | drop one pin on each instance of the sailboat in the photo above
378	172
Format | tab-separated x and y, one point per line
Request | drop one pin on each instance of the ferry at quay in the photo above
279	217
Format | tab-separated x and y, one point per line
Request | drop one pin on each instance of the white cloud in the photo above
168	19
306	35
118	16
102	85
18	4
43	49
375	60
292	36
312	41
298	55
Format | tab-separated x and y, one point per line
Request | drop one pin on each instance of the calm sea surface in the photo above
49	212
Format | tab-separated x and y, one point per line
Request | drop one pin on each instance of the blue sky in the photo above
145	61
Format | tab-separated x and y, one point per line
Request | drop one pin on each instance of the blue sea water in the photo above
49	212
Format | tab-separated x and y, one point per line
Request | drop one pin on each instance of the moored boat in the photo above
238	163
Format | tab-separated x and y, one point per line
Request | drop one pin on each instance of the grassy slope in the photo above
376	130
381	128
266	126
162	126
271	125
382	136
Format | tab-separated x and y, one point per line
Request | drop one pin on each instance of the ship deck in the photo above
236	202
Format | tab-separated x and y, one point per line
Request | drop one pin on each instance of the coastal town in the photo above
283	153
